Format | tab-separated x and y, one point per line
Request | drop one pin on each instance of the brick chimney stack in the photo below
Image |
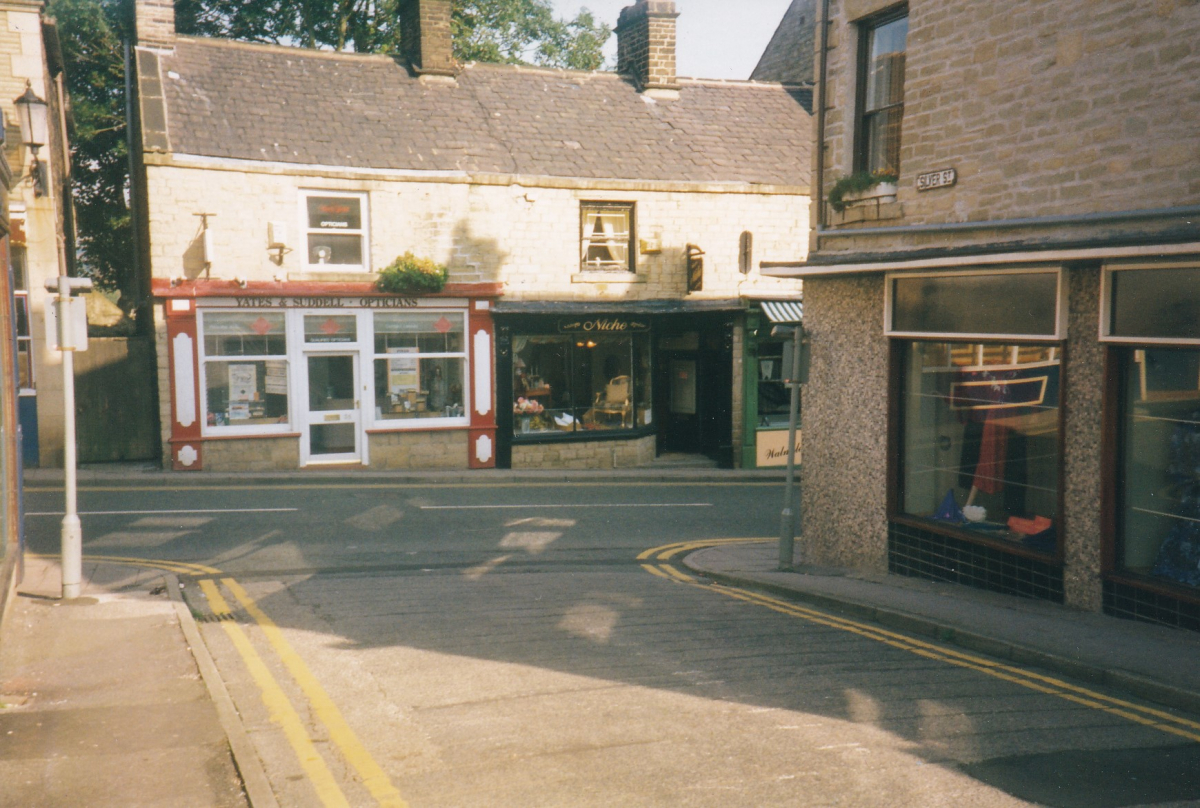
646	46
154	23
425	36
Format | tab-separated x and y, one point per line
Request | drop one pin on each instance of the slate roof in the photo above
280	104
789	55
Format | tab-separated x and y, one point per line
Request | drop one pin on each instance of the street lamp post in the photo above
67	339
787	517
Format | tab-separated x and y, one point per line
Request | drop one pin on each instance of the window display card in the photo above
243	382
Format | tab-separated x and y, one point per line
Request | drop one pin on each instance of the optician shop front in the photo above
266	376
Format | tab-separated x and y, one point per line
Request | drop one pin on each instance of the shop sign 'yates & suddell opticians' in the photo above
602	325
325	302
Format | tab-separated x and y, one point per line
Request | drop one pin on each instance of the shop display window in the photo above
580	383
1160	465
420	365
774	398
980	439
245	369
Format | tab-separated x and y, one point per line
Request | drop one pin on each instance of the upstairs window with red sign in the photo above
335	231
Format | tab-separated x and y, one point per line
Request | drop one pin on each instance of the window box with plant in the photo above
411	275
863	186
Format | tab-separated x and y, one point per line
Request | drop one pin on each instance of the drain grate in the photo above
215	618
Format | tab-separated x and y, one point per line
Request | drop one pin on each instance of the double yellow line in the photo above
279	706
657	561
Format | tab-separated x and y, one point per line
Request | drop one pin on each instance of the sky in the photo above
716	39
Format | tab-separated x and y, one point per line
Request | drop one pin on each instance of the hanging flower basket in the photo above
411	275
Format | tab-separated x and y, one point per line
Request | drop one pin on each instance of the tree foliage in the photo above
92	33
508	31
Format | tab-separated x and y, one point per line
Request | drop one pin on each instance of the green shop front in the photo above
766	398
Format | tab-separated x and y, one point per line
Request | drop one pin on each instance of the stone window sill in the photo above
607	277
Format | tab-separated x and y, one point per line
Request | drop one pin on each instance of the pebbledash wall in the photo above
1070	129
503	238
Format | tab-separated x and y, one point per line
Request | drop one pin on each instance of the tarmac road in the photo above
504	645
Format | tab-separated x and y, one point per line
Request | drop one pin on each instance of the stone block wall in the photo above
1042	109
251	454
40	218
155	23
526	236
439	449
607	454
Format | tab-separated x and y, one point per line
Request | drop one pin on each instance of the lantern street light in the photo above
32	117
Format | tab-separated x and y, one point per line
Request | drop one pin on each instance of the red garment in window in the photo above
993	451
1029	527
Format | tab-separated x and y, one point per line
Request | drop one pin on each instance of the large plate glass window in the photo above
1156	312
245	371
980	438
580	383
882	88
335	230
606	242
420	366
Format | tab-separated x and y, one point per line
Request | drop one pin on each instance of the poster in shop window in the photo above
404	371
243	382
276	381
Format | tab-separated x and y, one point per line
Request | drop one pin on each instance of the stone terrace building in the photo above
1004	303
42	235
601	231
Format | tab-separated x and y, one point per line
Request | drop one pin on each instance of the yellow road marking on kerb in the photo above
1041	683
281	710
374	777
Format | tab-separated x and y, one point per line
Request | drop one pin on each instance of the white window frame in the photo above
363	232
405	424
27	342
247	430
1060	318
1106	304
629	266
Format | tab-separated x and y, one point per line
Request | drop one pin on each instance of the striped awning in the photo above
782	311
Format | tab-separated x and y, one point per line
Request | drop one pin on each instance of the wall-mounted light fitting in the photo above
32	117
206	242
277	237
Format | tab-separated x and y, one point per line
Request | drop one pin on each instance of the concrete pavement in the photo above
1152	662
101	700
